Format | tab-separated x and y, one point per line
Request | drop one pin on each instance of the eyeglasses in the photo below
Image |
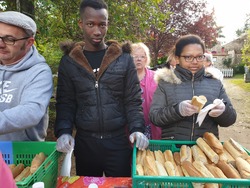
141	57
11	40
191	58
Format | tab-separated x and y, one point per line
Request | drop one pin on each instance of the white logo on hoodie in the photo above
5	95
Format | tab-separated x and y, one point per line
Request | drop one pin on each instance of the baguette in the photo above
202	169
171	169
168	155
228	170
239	148
177	158
150	153
234	151
179	171
214	157
17	170
159	156
248	159
160	169
141	154
185	153
198	154
243	167
225	156
213	142
199	101
11	166
139	169
37	161
150	168
24	174
216	171
190	170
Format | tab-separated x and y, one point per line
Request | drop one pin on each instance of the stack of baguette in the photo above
21	172
208	158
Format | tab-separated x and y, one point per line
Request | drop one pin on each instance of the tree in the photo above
246	50
186	17
246	27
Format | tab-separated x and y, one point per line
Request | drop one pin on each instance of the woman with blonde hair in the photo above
141	56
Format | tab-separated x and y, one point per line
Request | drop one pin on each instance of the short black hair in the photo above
95	4
186	40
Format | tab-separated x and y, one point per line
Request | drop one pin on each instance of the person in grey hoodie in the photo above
26	83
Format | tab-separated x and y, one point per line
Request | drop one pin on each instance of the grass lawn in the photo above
238	79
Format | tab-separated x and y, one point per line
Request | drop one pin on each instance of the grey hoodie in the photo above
25	92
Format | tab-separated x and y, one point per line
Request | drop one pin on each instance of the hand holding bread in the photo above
199	101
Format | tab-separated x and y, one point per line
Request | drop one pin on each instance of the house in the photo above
230	50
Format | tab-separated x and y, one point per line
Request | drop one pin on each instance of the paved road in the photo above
240	131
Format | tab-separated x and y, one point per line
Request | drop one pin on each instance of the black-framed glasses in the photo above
191	58
11	40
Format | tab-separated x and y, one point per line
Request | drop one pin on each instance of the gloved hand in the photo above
187	109
141	140
218	109
65	143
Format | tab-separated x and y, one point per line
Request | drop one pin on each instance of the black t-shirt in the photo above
95	58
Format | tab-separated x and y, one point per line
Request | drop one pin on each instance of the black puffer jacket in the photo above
101	103
173	88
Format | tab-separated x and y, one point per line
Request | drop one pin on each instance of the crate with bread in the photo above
205	162
31	162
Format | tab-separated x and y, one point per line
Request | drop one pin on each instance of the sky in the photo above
231	14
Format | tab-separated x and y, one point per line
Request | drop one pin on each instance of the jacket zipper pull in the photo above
96	84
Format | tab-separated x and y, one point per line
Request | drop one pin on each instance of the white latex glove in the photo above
218	109
187	109
141	140
65	143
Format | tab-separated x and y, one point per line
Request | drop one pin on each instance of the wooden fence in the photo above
227	73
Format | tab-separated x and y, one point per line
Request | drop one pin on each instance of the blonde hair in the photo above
143	46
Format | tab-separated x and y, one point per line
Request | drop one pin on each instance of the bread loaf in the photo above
168	155
198	154
150	168
190	170
214	157
139	156
150	153
199	101
159	156
234	151
243	167
171	169
24	174
139	169
216	171
17	170
160	169
239	148
213	142
202	169
177	158
37	161
185	153
228	170
225	156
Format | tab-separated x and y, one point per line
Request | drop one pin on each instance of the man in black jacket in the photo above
99	93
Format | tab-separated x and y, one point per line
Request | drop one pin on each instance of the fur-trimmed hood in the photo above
75	51
166	75
68	46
